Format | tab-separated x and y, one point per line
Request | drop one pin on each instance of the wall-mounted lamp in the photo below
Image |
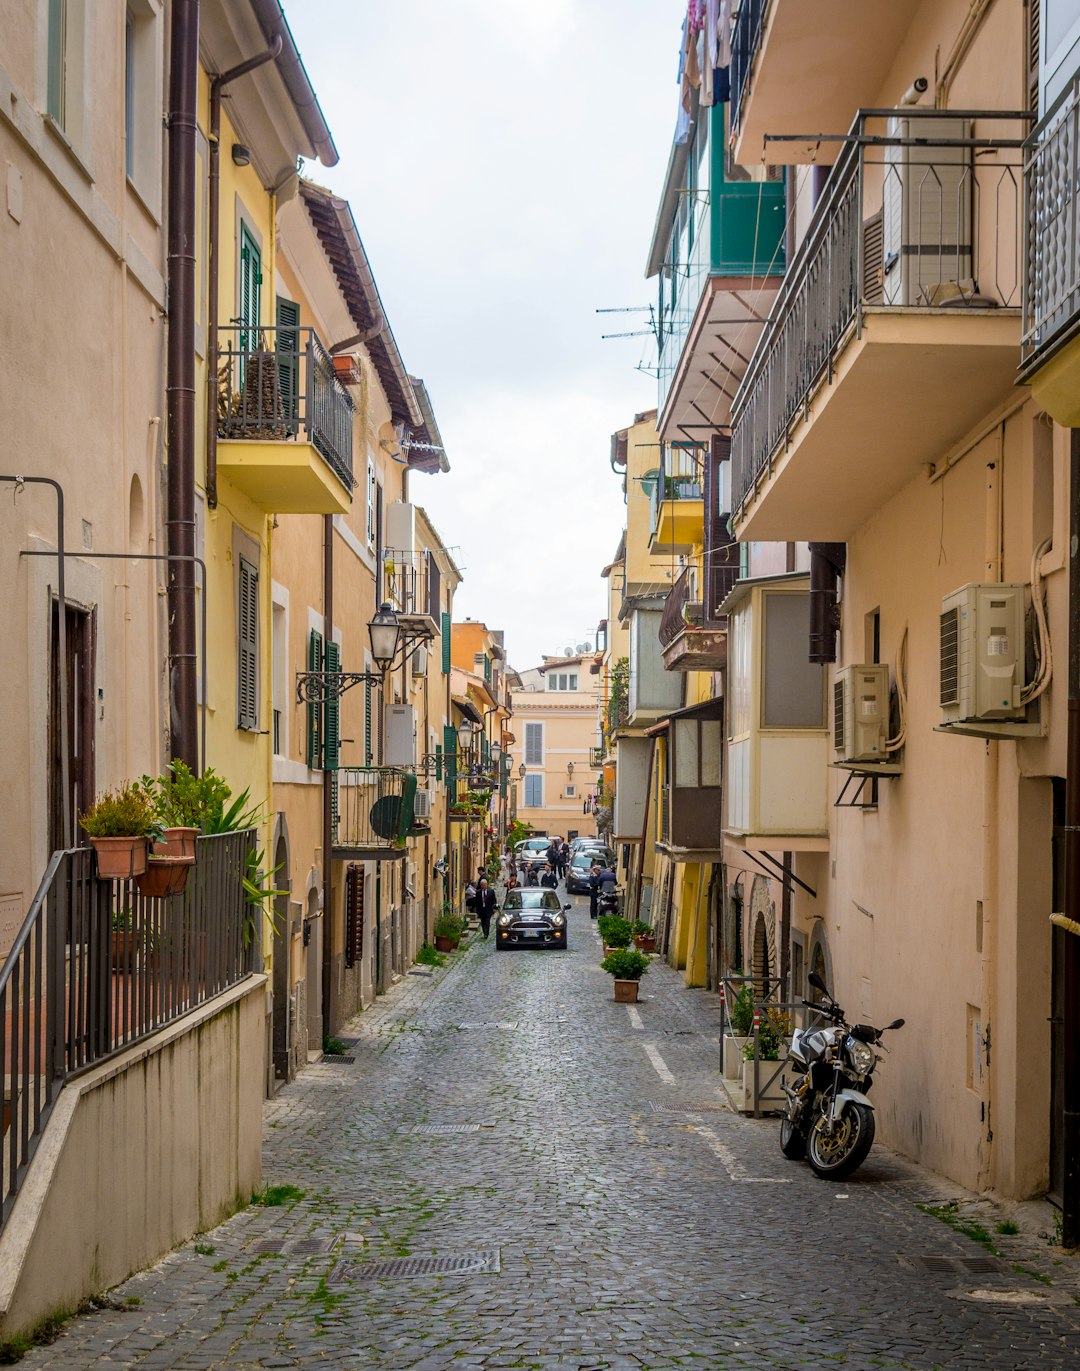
241	155
570	770
521	770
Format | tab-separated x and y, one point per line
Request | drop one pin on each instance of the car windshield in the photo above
583	859
531	899
535	845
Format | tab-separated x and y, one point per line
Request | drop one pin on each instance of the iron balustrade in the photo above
672	618
746	36
904	224
375	808
1052	227
97	967
679	478
411	582
280	384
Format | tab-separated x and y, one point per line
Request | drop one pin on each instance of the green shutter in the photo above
55	78
247	652
504	775
287	347
487	668
332	712
314	712
250	290
438	761
449	735
446	635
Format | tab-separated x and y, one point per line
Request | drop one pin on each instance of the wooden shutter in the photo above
446	644
721	552
450	760
873	267
247	648
354	913
287	347
250	290
332	712
434	587
314	712
504	775
534	744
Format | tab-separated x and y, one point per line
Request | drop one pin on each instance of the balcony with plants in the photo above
284	421
896	330
676	499
718	254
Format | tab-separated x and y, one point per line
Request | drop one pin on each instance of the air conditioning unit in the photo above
927	196
982	653
861	712
420	662
422	801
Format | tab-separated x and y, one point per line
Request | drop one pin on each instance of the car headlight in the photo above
505	919
862	1055
558	920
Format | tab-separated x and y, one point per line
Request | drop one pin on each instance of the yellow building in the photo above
555	716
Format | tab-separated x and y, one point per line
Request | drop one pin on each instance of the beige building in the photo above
555	721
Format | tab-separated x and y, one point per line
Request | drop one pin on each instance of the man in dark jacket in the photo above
594	889
486	904
550	878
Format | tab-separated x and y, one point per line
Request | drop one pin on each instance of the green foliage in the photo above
518	832
1007	1227
615	930
236	818
273	1196
427	956
741	1010
774	1028
960	1223
259	891
184	800
205	1249
125	813
448	924
333	1047
641	928
626	963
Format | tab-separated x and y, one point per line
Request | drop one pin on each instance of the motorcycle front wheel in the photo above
792	1142
838	1154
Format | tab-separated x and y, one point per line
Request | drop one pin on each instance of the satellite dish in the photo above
583	647
568	651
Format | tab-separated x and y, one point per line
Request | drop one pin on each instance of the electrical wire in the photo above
900	669
1043	651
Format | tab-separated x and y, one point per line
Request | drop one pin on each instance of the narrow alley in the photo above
509	1169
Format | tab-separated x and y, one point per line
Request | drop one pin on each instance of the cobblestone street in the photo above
574	1160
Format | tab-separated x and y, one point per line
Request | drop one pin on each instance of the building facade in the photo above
555	721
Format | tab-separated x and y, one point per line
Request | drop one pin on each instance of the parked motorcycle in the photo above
828	1119
607	902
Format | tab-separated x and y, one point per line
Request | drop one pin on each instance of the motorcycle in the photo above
828	1118
607	901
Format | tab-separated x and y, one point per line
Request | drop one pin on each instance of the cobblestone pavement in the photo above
506	1115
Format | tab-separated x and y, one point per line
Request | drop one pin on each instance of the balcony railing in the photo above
673	620
97	967
412	582
746	38
905	223
679	478
1052	226
375	809
279	384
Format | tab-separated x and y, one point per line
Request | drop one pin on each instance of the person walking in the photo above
550	879
594	889
564	858
486	904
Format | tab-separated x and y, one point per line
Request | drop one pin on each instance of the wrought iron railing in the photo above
1052	226
280	384
411	582
918	223
746	36
672	618
96	967
679	478
375	808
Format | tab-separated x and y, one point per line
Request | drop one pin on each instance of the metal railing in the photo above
1052	226
904	223
96	967
672	618
411	582
746	36
280	384
375	808
768	996
679	478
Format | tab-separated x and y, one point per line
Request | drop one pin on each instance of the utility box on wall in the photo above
982	654
861	712
400	736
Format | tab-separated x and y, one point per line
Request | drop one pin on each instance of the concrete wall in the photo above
159	1143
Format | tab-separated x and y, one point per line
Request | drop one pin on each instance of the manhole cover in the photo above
336	1058
436	1130
400	1267
1007	1296
949	1266
698	1107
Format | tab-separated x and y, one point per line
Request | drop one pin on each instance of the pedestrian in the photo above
594	889
470	897
530	874
512	882
550	879
553	853
485	904
507	863
564	857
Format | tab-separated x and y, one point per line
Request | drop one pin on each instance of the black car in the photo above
531	918
579	870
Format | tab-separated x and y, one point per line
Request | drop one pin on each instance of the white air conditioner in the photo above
861	712
422	804
982	653
927	196
420	662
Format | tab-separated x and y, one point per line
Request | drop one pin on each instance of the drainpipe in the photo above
1070	1009
213	201
827	562
180	381
328	788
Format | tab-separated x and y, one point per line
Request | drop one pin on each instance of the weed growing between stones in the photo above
272	1196
949	1215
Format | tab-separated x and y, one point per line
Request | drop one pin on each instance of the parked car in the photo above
596	851
531	918
577	873
532	853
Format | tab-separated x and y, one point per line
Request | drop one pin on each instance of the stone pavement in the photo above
567	1167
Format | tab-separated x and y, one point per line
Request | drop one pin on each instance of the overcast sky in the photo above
503	160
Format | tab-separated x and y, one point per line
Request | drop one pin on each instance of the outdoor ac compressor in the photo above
982	653
861	712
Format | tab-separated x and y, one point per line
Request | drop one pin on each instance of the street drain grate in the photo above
337	1057
398	1268
490	1023
298	1247
949	1266
436	1130
698	1107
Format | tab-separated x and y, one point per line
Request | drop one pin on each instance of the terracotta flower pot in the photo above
646	942
122	949
444	944
119	858
164	876
626	992
178	842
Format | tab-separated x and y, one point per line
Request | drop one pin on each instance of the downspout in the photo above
328	790
213	203
1070	1008
180	379
827	563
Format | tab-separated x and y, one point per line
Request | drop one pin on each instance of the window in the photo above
66	45
129	94
58	53
370	502
570	793
793	688
534	744
247	655
287	347
279	677
143	100
478	663
562	680
250	285
534	791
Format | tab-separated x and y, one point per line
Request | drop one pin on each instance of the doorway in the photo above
79	645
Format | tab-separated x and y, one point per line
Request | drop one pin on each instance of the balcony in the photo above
653	692
897	329
412	584
1051	338
802	66
691	800
720	250
374	813
676	500
685	643
285	421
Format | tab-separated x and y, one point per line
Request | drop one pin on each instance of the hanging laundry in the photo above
723	35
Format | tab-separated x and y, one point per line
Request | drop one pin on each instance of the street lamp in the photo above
384	631
521	770
570	770
496	755
465	732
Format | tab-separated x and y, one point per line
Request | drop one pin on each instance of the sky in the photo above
504	161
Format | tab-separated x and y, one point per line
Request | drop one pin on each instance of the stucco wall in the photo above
139	1154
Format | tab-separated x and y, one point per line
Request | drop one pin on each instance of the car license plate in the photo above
530	933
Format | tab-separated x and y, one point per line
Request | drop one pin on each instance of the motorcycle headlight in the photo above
861	1054
504	919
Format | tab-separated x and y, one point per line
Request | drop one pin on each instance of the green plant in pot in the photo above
741	1011
615	930
644	937
448	929
119	824
627	965
772	1032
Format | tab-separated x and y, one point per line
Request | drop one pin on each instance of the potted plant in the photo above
448	929
740	1023
644	938
627	965
762	1080
186	805
119	825
616	931
164	875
